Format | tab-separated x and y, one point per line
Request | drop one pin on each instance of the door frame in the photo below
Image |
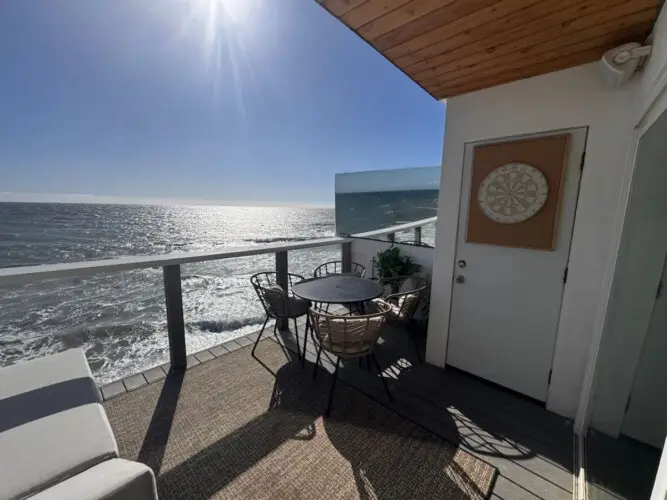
518	137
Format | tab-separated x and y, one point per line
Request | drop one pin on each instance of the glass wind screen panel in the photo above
366	201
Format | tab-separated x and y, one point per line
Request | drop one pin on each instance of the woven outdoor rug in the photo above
232	428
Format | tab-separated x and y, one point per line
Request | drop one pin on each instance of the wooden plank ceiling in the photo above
452	47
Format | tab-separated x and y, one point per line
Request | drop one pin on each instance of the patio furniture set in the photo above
367	304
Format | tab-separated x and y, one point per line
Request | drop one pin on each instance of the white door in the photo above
506	301
646	418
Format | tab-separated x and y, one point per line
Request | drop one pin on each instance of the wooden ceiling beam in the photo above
541	40
401	16
533	24
369	11
486	28
600	43
574	59
443	23
450	47
340	7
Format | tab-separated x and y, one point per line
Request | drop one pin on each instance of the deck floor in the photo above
531	448
619	469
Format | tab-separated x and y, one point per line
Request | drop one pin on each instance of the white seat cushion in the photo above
408	285
115	479
52	425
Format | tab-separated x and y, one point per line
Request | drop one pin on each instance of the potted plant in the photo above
391	264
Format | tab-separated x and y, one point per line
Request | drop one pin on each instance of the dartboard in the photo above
513	193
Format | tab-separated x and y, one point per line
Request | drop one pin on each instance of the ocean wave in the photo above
280	239
215	326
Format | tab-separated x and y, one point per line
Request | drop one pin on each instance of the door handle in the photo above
460	279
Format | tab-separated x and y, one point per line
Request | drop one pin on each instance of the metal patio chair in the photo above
279	303
336	267
348	337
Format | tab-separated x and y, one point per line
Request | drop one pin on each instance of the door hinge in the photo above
583	159
550	373
627	405
565	275
658	292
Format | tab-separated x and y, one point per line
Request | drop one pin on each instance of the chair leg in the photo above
317	361
384	382
305	342
327	413
252	353
296	334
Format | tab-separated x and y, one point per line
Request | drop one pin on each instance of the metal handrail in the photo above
28	274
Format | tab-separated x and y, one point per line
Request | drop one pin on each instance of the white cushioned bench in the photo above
55	439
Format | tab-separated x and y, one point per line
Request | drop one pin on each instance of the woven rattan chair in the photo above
404	294
336	267
348	337
278	303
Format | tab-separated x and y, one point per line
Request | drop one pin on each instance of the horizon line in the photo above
90	199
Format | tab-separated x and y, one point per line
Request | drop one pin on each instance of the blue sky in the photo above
231	100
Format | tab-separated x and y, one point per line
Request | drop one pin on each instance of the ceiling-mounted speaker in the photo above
620	63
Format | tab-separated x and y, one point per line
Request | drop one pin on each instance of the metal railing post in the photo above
391	237
346	256
418	234
175	322
283	281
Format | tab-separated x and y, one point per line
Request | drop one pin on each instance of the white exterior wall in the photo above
364	250
570	98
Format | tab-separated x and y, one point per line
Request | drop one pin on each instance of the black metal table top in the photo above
338	289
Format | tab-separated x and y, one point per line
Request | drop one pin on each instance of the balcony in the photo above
220	423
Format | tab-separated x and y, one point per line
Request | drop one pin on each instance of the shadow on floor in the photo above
287	450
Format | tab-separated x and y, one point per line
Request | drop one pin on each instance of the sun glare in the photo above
227	12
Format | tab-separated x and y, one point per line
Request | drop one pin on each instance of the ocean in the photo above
362	212
119	319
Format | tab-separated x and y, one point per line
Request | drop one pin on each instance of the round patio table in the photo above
336	289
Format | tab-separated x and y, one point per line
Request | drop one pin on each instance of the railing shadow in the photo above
157	435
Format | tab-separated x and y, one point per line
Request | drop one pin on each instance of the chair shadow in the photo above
391	456
373	477
295	407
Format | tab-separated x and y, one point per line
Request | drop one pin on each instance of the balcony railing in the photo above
171	267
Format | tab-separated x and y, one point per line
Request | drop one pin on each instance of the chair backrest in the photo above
336	267
272	296
407	294
349	336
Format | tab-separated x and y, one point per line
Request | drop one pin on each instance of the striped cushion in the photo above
349	336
